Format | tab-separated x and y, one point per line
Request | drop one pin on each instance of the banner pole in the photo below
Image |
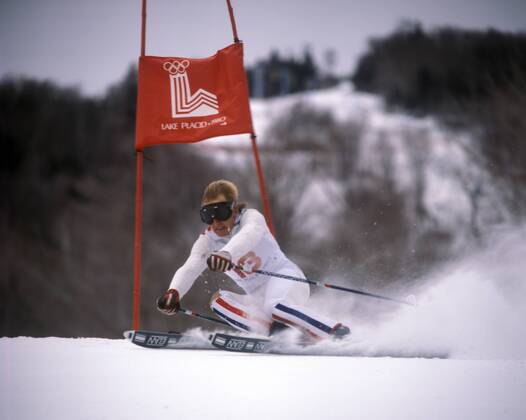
139	155
262	187
232	21
143	29
138	242
261	178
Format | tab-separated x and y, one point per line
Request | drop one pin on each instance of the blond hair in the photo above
221	186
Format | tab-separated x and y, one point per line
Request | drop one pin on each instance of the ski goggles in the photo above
219	211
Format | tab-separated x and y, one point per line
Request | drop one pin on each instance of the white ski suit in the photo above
267	299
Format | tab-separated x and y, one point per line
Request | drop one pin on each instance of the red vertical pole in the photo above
232	21
138	242
138	207
261	178
262	187
143	29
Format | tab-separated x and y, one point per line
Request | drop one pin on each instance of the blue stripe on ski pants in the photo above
304	317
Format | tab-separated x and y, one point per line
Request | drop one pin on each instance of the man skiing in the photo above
236	242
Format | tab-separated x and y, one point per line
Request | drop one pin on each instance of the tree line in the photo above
278	76
468	79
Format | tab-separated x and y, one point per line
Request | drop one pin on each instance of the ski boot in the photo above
340	331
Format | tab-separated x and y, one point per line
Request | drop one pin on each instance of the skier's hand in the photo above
169	302
219	261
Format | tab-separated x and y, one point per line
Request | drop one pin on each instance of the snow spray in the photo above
474	308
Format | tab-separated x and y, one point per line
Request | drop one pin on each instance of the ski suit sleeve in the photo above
195	264
253	227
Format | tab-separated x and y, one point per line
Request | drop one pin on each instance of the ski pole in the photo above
197	315
328	285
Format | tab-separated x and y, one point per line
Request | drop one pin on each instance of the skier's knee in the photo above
270	307
214	298
224	296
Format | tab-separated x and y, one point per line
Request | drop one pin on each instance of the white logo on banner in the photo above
185	104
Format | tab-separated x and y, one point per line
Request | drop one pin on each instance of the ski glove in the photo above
219	261
169	302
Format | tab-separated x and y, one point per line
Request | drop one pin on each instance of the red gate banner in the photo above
185	100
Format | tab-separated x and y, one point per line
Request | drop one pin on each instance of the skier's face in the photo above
222	227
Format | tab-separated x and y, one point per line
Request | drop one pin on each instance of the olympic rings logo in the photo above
174	67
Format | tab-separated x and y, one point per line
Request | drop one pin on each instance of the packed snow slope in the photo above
473	313
57	378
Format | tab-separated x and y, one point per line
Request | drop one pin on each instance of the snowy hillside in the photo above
445	149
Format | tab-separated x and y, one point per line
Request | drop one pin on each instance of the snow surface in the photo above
57	378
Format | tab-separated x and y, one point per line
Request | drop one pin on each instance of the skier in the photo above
236	242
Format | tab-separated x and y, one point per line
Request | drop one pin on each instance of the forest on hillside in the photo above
68	173
467	79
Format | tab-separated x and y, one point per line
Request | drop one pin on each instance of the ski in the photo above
251	344
219	341
153	339
167	340
275	345
239	343
177	340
